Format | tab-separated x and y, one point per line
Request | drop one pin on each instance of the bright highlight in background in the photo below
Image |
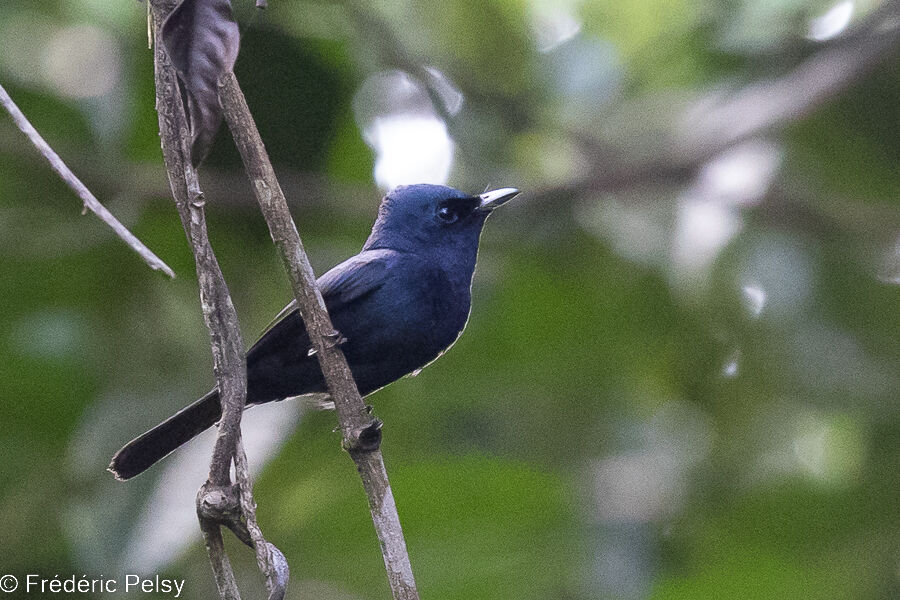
410	149
553	23
833	22
400	123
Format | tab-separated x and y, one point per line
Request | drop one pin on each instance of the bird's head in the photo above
426	218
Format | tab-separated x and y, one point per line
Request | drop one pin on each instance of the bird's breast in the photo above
410	321
444	304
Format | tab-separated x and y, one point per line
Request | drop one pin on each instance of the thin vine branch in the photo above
360	431
90	201
218	502
722	121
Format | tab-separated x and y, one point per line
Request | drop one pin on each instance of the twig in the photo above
276	566
770	104
222	571
361	433
218	502
138	182
90	202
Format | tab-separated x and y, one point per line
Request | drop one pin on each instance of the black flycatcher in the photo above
399	303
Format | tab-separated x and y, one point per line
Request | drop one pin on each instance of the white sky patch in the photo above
741	175
703	229
832	22
709	213
400	122
754	299
410	148
553	23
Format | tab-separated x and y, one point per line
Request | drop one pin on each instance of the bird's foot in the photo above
365	439
335	339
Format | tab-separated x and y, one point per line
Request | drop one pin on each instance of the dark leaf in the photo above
202	40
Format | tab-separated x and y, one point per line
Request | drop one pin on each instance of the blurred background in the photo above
681	376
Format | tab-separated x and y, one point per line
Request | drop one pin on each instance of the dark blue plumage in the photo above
399	303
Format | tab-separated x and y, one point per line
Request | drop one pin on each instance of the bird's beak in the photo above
491	200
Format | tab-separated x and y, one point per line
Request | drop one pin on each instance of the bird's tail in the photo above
142	452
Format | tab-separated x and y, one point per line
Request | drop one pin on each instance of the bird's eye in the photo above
447	215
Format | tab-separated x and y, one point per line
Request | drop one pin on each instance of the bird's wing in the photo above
352	279
356	277
290	308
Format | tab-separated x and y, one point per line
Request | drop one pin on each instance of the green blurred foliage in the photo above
634	411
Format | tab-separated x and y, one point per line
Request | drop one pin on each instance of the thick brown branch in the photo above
361	433
216	503
90	201
218	310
